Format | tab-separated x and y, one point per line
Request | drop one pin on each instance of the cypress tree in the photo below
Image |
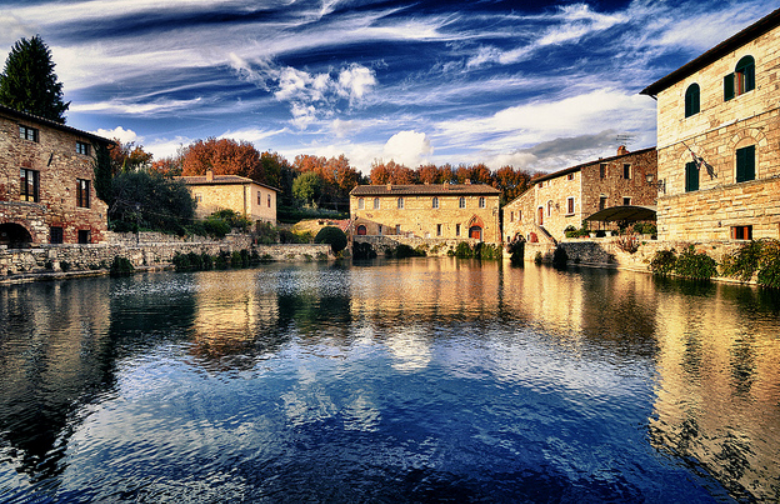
28	82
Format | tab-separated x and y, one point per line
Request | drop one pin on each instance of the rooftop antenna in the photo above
624	139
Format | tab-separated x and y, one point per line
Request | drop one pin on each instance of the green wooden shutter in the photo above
691	177
728	87
746	164
750	78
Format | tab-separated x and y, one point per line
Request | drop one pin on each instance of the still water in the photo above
423	380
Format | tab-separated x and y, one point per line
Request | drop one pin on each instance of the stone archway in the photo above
361	230
14	235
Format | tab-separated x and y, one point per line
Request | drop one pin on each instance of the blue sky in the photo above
533	84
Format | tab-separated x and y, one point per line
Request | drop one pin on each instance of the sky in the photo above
537	85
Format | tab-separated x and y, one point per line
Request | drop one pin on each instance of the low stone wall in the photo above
150	250
605	252
432	246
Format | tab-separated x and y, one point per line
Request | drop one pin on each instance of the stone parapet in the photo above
432	246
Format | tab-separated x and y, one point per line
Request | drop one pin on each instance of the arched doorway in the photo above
361	230
475	233
14	235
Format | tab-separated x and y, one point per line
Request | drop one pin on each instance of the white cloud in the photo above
252	135
125	136
355	82
134	108
410	148
167	147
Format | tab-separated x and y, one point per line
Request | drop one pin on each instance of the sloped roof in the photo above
579	167
24	116
750	33
222	180
424	190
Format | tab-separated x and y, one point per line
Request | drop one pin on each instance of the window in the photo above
549	208
82	148
435	203
742	232
746	164
438	229
27	133
198	197
269	201
361	204
626	201
742	80
570	206
376	205
397	229
259	198
519	215
541	184
602	171
627	171
692	100
461	202
380	229
28	185
82	193
55	235
85	236
481	202
511	216
602	202
457	229
691	177
400	203
570	176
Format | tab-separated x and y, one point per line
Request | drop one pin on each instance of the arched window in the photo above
461	202
400	203
692	100
435	203
361	204
376	203
549	208
742	80
482	202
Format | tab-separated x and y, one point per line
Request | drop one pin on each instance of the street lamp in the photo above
660	185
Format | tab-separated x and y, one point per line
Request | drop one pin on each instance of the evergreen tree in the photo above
28	82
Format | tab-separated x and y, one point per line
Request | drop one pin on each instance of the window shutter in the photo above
746	164
750	78
728	87
691	177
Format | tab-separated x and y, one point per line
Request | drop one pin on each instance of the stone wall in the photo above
58	166
433	247
715	133
246	198
154	251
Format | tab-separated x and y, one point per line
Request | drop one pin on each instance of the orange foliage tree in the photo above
224	157
128	157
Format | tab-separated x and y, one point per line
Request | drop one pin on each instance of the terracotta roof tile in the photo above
420	189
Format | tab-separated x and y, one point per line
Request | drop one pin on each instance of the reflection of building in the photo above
722	107
47	192
718	387
230	192
564	198
446	211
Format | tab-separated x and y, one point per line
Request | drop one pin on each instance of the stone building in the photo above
722	108
441	211
242	195
47	193
565	198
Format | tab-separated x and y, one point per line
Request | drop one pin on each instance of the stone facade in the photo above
734	121
447	211
565	198
59	204
242	195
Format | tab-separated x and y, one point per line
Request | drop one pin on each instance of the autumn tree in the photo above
512	183
224	157
391	173
128	156
28	82
432	174
477	174
337	176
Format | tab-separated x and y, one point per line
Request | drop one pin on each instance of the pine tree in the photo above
28	82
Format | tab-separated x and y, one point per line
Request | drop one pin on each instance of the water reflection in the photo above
420	372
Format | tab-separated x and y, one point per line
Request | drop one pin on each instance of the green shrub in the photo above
403	250
663	262
762	256
538	258
516	251
361	250
698	266
646	228
64	265
207	261
464	251
560	258
222	261
332	236
121	266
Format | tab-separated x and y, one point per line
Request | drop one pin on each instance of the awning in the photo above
624	213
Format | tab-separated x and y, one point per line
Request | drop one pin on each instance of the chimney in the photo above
446	186
467	181
209	175
622	151
389	187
